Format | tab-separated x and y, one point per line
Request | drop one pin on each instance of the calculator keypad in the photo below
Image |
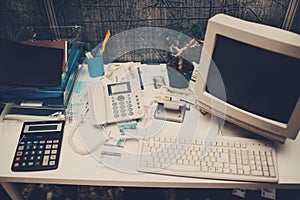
37	154
37	151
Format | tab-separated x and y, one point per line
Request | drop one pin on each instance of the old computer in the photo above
249	74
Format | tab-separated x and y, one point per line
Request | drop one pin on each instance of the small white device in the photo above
115	102
170	110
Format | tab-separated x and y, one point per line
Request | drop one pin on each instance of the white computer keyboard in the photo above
226	158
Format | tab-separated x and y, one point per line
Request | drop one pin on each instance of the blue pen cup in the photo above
95	66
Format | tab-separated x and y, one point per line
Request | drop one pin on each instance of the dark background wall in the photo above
96	16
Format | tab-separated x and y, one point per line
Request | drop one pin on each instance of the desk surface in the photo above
86	170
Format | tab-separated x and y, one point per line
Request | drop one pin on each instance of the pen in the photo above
107	35
140	77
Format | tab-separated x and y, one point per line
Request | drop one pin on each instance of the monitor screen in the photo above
257	80
248	74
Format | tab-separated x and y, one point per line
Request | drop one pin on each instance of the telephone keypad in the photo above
122	105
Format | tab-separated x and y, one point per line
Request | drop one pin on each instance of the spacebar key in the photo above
184	168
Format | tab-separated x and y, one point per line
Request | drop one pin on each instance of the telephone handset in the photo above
114	102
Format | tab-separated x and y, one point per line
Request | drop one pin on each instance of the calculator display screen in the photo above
39	128
44	127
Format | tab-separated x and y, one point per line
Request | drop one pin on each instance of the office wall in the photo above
96	16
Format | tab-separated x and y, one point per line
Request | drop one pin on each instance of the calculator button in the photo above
41	146
20	148
27	147
34	147
45	160
47	151
35	142
16	165
30	163
54	146
37	163
32	152
42	142
52	162
39	157
55	141
48	146
18	159
52	157
49	141
19	153
26	153
31	158
23	164
25	158
54	152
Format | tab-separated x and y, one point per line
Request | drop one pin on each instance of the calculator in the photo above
39	146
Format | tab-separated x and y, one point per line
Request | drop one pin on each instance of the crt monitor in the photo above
249	74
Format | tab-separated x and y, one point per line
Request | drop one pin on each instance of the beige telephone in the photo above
114	102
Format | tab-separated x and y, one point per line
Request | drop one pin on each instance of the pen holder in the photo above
95	66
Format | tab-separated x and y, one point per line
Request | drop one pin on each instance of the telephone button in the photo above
123	110
121	97
122	106
115	108
116	115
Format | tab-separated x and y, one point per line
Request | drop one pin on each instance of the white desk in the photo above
85	170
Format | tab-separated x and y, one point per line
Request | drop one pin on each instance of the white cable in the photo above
73	145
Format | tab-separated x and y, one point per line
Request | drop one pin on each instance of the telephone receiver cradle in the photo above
114	102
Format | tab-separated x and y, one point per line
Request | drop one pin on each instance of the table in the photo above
86	170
